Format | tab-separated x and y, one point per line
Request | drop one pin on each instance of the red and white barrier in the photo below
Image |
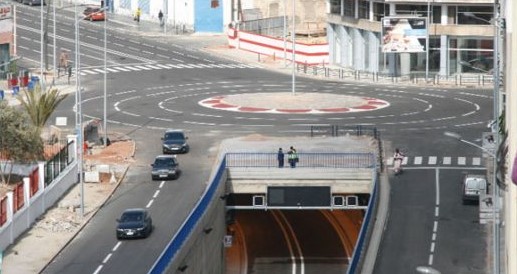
310	54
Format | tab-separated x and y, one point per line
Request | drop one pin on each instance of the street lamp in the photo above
495	195
78	100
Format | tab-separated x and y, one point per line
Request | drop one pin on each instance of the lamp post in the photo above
78	100
495	195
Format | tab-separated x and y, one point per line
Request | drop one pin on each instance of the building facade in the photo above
460	36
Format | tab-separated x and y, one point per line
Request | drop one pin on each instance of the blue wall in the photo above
209	16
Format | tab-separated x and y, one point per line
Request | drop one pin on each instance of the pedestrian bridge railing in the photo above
306	160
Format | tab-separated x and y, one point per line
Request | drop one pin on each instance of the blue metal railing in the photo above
363	234
177	241
306	160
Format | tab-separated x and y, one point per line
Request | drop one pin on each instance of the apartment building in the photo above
456	36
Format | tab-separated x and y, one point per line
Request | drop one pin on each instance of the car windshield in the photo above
163	162
132	217
174	136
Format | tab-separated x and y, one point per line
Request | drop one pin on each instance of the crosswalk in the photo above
148	67
441	161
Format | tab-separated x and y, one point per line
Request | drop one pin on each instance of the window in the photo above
364	9
481	15
380	10
349	8
335	7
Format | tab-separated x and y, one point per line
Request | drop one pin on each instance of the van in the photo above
473	186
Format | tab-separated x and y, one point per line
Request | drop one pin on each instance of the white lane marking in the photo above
404	161
116	246
462	161
106	259
111	69
418	160
149	204
436	211
435	226
161	184
156	193
98	269
432	247
432	160
430	259
447	160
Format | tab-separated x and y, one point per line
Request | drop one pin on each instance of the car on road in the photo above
473	185
134	223
94	14
175	141
32	2
165	167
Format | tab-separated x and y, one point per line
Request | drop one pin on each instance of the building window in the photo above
480	15
436	14
414	10
335	7
364	9
380	10
471	55
349	8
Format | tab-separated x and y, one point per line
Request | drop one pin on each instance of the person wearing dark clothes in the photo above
280	157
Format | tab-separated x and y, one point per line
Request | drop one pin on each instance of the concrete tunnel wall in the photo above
204	251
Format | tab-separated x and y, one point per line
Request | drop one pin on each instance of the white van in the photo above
473	186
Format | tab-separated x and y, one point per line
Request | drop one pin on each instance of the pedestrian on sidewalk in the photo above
280	157
160	17
137	14
292	157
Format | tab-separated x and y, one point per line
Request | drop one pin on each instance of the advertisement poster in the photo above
404	34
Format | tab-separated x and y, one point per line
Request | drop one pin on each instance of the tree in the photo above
20	142
40	105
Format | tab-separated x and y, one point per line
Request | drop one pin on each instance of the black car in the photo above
165	167
134	223
175	141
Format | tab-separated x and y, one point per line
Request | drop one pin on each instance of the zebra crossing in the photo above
438	161
148	67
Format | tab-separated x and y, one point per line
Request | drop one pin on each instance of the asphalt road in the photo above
142	103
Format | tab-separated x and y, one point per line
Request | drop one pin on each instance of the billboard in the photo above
404	34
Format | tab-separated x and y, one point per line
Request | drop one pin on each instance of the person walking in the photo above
137	14
280	157
398	157
160	17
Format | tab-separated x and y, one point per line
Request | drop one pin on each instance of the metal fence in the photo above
58	163
358	130
467	79
273	26
306	160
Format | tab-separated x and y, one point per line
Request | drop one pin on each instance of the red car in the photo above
94	14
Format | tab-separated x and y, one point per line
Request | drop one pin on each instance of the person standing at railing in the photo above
160	17
292	157
280	157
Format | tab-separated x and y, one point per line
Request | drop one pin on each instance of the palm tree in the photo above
40	105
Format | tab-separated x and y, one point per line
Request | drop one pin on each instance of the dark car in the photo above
165	167
32	2
94	14
134	223
175	141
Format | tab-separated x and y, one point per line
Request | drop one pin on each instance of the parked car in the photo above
175	141
165	167
32	2
473	186
94	14
134	223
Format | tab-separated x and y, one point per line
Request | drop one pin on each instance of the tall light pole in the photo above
293	36
495	194
105	79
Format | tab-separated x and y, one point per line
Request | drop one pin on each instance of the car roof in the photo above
165	156
174	130
135	210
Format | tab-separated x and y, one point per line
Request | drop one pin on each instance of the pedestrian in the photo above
137	14
69	73
280	157
86	148
160	17
292	157
398	157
